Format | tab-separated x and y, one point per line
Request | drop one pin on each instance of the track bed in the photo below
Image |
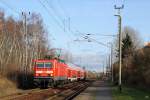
67	92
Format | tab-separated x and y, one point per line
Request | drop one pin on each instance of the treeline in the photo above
17	47
135	62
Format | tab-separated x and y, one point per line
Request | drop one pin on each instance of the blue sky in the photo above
86	16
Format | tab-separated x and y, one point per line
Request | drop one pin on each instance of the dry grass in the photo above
7	87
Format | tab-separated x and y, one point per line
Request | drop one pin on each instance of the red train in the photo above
54	72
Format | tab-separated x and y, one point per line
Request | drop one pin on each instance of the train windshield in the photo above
40	64
48	65
44	64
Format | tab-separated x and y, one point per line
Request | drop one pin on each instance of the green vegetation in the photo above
130	94
135	61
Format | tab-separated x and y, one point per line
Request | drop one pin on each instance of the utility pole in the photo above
112	73
110	66
26	48
120	44
103	68
111	61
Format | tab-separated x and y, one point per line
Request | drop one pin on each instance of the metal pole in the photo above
112	73
120	50
120	44
109	74
111	61
103	68
120	53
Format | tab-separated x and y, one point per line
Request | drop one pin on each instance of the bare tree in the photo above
13	43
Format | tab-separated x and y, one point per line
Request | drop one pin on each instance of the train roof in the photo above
75	66
41	60
47	60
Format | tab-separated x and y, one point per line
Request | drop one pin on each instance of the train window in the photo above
48	64
40	64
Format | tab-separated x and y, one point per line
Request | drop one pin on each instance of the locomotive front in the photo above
43	72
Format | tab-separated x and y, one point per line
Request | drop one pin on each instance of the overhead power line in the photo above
87	37
65	21
59	21
10	7
54	10
99	42
63	10
109	35
67	15
49	12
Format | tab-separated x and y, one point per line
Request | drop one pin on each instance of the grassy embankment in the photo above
130	94
7	87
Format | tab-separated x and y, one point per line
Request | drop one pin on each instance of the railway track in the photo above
71	92
77	92
64	93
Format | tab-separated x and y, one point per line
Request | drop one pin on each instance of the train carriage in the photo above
53	72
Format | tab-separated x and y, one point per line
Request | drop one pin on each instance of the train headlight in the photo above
39	71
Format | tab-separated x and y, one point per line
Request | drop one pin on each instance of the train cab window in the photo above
40	64
48	65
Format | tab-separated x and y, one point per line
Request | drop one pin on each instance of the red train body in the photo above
53	72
